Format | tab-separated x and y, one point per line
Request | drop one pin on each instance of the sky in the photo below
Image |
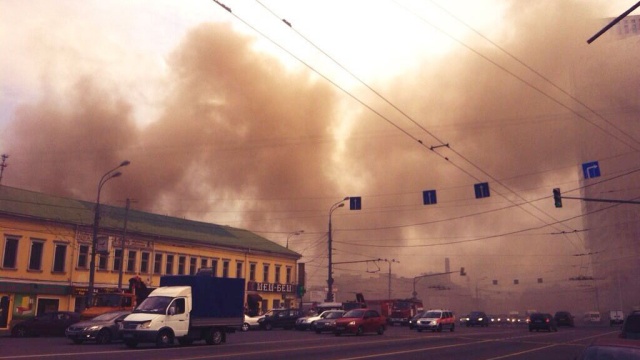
265	116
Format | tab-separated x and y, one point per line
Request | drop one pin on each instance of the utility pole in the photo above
3	165
122	248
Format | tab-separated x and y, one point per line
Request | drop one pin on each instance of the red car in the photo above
360	321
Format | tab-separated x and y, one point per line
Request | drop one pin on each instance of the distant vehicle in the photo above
463	319
414	320
631	326
501	319
360	321
251	322
592	317
478	318
102	329
402	310
47	324
328	323
607	348
125	300
514	316
437	320
564	318
280	318
616	317
542	321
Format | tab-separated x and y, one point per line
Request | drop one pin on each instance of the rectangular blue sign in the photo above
482	190
355	203
429	197
591	170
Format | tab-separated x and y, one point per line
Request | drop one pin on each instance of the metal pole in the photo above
122	248
335	206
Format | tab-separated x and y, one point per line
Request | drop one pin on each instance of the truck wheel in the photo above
103	337
131	343
214	337
165	338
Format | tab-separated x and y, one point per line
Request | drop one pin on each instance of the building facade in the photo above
46	249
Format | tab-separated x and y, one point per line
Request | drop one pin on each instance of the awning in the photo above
254	298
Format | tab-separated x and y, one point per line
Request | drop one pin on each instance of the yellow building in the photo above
47	244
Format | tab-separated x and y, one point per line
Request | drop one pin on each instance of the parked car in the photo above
101	329
608	348
251	322
49	324
414	320
564	318
437	320
280	318
631	326
309	322
542	321
478	318
328	323
360	321
616	317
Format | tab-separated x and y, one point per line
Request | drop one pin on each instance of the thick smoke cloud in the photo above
240	139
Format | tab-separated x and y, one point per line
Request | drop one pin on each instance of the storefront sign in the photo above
271	287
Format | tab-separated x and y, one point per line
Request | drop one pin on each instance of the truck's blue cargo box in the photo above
213	297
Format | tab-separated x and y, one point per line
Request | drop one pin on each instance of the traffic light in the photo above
557	198
462	273
301	290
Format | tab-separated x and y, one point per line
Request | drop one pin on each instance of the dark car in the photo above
477	318
631	326
414	320
47	324
563	318
101	329
328	323
607	348
281	318
360	321
542	321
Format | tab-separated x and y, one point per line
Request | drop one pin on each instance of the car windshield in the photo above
355	313
154	304
433	314
107	317
333	315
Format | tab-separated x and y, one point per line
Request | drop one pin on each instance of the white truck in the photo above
187	308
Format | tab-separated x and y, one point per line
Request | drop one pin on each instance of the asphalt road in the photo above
490	343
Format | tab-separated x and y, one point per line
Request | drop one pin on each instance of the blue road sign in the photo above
482	190
429	197
591	170
355	203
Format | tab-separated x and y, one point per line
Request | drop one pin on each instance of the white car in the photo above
251	322
308	322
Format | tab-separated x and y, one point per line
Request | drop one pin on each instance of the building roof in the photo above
39	206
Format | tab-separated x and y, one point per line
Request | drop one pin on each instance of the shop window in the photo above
47	306
131	260
35	257
59	258
83	257
239	273
193	263
10	254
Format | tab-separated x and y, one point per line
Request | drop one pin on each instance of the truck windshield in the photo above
154	304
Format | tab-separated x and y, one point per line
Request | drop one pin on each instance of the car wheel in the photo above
164	338
19	331
215	337
439	328
381	330
245	327
359	331
337	333
103	337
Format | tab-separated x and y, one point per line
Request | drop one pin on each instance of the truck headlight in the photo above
145	325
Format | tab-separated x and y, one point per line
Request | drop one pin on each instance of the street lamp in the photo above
293	233
335	206
96	224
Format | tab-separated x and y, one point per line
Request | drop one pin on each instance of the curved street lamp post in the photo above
335	206
292	234
96	224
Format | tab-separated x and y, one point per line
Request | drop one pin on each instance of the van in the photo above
436	320
592	317
616	317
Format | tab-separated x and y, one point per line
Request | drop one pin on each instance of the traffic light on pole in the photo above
557	198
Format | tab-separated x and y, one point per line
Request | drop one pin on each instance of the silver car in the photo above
101	329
